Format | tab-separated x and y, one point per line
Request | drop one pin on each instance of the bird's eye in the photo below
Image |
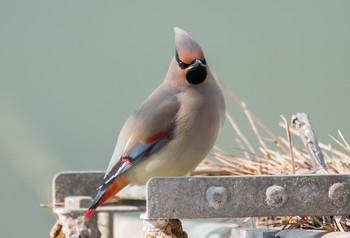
183	65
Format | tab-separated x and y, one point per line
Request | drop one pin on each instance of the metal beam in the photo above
247	196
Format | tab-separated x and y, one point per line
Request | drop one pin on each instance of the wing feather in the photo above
146	131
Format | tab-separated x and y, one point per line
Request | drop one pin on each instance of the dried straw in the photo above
276	155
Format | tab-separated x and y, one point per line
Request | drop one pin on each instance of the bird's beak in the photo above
197	63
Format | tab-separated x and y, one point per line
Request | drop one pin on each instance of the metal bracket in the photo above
72	194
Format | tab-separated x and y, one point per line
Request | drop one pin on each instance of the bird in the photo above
173	130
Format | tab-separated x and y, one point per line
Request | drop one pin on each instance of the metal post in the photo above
105	224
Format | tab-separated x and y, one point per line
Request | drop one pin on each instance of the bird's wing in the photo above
145	132
138	153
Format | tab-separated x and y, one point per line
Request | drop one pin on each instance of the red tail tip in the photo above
88	213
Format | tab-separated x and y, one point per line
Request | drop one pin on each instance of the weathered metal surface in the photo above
67	184
71	222
84	183
252	233
301	122
105	224
81	188
73	225
72	195
247	196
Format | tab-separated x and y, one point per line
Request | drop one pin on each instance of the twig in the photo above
289	143
246	154
342	137
255	130
238	131
242	106
339	143
336	152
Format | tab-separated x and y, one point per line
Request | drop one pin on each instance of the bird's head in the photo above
189	58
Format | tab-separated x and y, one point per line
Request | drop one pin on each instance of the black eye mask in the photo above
197	73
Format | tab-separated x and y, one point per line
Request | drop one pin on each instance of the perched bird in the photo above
173	130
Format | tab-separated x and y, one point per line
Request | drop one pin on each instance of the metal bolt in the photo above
276	196
338	193
216	196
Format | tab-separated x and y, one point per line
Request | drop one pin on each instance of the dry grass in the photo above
277	155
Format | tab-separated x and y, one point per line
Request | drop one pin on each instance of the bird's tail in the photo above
105	192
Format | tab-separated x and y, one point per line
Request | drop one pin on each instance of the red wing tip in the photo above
88	213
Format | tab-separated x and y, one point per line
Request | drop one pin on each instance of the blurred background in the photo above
71	72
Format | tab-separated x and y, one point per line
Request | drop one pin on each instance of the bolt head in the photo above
217	196
276	196
338	193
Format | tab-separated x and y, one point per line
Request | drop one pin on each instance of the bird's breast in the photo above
197	126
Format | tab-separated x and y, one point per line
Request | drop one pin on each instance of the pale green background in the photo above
72	71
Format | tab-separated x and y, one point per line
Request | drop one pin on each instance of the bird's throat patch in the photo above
196	75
